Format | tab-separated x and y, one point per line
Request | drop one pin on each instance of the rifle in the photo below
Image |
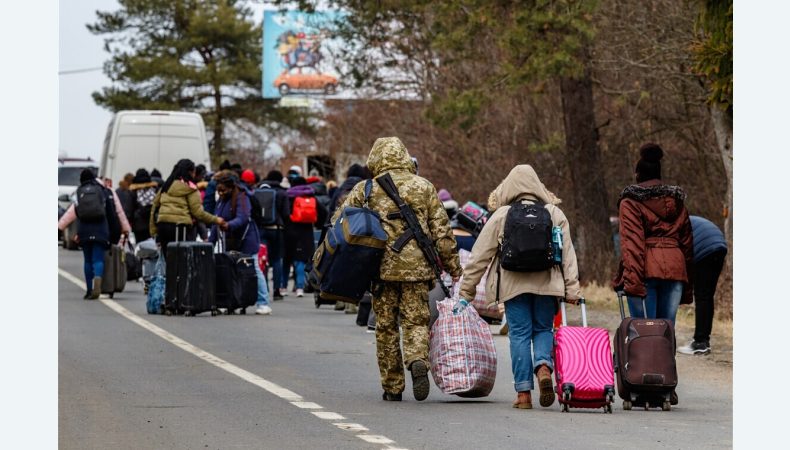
414	230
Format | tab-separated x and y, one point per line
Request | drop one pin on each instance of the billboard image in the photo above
297	54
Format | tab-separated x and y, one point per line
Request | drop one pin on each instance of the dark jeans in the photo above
275	245
93	253
166	233
706	272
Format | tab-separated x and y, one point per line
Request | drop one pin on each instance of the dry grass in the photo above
604	298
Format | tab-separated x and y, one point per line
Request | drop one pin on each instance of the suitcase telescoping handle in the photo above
620	295
582	303
220	241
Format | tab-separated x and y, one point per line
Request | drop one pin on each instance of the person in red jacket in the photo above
656	242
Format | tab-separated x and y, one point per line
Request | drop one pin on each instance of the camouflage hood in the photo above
389	154
521	183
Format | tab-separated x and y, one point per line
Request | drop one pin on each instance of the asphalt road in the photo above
274	381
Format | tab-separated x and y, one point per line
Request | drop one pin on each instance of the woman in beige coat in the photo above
529	297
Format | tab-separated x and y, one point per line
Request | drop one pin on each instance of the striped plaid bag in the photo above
462	353
479	302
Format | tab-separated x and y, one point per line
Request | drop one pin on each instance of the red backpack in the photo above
304	210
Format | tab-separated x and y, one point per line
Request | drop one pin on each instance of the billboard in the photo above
297	55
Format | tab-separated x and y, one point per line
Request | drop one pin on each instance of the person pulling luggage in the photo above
94	207
525	275
177	204
235	208
406	275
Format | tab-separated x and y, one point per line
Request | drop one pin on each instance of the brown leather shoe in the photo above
546	386
523	401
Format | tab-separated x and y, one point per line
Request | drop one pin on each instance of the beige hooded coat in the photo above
522	184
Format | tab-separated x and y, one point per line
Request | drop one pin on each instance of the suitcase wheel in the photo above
666	406
189	314
213	312
607	408
111	294
243	311
565	407
627	405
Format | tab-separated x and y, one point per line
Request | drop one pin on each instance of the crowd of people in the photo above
667	257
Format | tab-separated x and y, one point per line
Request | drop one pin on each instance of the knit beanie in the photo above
248	176
649	165
444	195
87	175
141	177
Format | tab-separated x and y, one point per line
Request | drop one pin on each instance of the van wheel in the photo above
330	89
284	89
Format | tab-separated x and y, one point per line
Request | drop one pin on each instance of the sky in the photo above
83	124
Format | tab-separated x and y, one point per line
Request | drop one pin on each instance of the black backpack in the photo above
267	199
526	245
91	206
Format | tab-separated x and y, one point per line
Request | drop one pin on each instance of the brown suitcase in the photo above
114	279
644	361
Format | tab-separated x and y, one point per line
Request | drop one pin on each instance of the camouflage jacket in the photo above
390	155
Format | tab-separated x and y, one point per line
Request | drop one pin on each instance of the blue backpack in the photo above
349	257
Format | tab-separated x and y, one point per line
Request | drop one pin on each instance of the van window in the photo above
70	176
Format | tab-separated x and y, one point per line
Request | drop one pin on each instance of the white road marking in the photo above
375	439
326	415
294	398
350	426
307	405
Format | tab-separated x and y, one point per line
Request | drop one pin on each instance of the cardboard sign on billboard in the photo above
297	54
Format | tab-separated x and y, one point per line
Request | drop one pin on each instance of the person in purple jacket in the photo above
241	233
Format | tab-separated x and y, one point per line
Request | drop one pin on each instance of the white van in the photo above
152	140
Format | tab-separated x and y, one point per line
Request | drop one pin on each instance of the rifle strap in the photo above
404	239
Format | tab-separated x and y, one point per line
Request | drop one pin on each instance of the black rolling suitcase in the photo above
114	279
644	361
236	279
189	278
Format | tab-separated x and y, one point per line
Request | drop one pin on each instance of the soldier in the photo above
405	276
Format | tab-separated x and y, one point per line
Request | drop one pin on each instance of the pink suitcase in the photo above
583	365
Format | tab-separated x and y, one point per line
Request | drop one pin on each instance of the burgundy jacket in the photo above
655	238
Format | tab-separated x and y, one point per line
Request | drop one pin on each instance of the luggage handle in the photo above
582	303
620	295
221	245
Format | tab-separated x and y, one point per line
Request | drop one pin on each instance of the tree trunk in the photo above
218	124
722	125
593	236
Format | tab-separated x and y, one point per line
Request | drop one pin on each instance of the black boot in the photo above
390	397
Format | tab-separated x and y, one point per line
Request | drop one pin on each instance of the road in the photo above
307	378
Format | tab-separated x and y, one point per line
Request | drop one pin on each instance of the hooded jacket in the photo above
656	239
242	230
521	185
179	205
389	155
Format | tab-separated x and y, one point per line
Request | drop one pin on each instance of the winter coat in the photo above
179	205
656	240
98	231
242	229
299	237
210	197
321	194
521	185
281	201
341	192
389	155
143	195
708	238
126	197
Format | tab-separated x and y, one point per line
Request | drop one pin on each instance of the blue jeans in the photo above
93	253
662	301
263	287
531	321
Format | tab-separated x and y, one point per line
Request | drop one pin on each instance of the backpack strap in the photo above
368	189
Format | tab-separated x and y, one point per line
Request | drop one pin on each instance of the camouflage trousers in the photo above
409	301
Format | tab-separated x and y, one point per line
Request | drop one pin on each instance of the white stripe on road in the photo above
245	375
